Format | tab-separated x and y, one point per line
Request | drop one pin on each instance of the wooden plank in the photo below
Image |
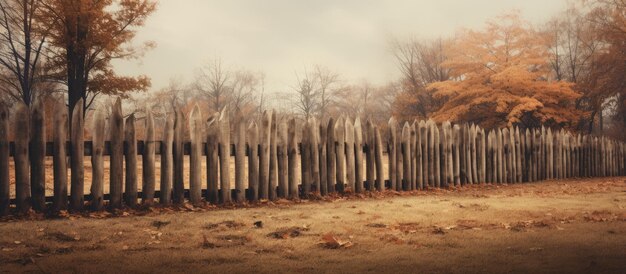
167	159
350	168
130	194
77	179
253	161
315	155
456	131
240	161
370	167
212	158
59	202
331	162
513	155
178	194
431	153
148	161
483	152
305	159
5	198
195	158
273	180
37	156
340	153
98	135
489	157
419	131
474	156
323	155
224	148
449	160
22	174
424	132
500	157
378	159
406	157
281	150
391	152
358	156
292	154
437	153
264	155
550	155
508	168
413	180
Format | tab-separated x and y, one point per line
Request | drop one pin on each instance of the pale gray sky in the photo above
280	37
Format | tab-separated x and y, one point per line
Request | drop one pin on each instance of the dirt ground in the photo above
575	226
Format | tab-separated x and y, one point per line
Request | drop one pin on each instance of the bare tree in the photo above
212	81
327	82
307	99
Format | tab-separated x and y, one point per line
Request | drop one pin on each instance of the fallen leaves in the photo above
332	241
286	233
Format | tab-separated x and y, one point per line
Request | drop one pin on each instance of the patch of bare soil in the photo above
569	226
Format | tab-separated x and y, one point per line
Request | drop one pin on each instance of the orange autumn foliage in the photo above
499	77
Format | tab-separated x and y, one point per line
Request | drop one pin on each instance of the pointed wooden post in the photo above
305	159
148	158
61	121
167	159
378	158
370	170
212	158
240	162
472	153
358	156
457	160
178	194
253	161
37	157
22	162
447	153
264	155
420	155
314	155
131	161
195	156
224	155
391	152
76	161
340	153
413	180
323	155
5	196
292	159
349	141
406	157
273	174
282	143
331	161
97	160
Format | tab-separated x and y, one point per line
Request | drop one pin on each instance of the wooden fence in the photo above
341	155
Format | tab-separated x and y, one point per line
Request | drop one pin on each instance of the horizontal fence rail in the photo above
270	161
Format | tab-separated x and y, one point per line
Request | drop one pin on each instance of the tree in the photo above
212	81
86	36
500	77
327	82
307	96
22	40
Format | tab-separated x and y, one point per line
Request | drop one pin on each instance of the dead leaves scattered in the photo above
332	241
286	233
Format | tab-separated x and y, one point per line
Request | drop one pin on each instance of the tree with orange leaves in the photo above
499	77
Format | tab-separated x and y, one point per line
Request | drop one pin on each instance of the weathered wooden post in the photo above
273	184
437	153
514	154
77	178
97	160
253	161
370	170
148	166
195	156
506	137
292	158
424	132
240	162
483	152
116	137
378	158
489	156
282	143
37	156
315	155
431	153
340	154
224	154
419	131
5	196
358	155
414	155
331	162
264	155
131	162
22	162
167	159
549	156
457	160
406	157
391	152
178	194
349	140
323	155
305	159
473	158
212	158
449	160
500	157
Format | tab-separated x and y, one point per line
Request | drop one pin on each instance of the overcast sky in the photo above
282	37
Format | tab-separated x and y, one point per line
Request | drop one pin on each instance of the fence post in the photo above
240	162
22	162
370	170
253	161
514	155
419	131
378	157
37	157
167	159
331	163
97	160
78	172
5	197
305	159
224	155
292	154
424	132
456	132
273	174
131	162
178	194
340	154
406	157
358	155
212	158
323	155
148	168
414	155
314	153
489	151
195	157
116	135
349	143
391	152
264	155
449	160
549	150
283	185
